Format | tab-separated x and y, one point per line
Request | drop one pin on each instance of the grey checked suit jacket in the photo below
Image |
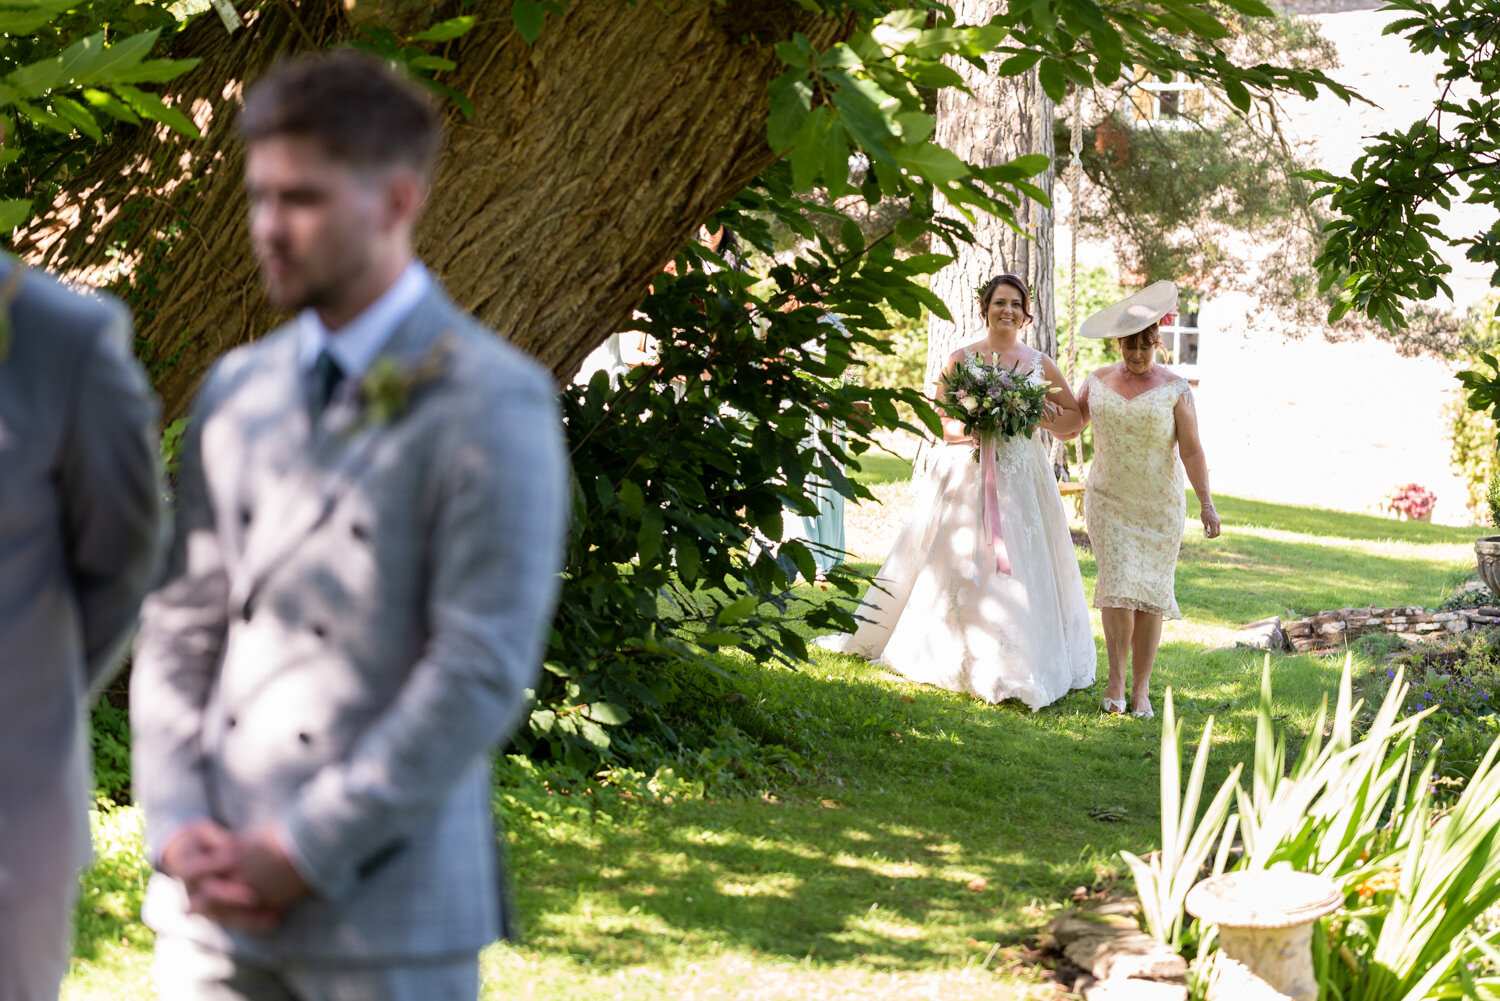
80	533
352	616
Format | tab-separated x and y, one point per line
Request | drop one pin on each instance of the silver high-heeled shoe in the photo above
1114	706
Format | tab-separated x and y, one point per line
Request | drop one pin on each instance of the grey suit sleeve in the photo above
111	496
183	625
495	553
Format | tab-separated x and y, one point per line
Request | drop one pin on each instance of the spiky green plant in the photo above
1162	881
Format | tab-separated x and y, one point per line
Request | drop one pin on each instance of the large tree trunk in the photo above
1004	118
591	158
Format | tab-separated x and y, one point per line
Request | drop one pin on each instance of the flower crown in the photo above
983	287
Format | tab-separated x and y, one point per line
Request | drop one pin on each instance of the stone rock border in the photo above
1335	629
1119	961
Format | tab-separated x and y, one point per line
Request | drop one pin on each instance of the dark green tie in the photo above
326	376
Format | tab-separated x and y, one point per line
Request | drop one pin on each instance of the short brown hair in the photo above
1150	337
363	112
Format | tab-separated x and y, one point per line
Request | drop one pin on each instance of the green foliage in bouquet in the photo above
991	399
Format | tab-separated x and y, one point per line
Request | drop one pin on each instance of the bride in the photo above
943	609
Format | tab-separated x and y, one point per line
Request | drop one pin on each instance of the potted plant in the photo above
1487	549
1413	502
1483	387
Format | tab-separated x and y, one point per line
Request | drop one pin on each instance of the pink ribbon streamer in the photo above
989	509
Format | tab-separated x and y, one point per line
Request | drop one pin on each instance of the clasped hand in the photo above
242	881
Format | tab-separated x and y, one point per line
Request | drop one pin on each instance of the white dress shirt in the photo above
357	344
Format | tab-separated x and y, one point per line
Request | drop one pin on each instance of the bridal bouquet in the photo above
991	399
992	402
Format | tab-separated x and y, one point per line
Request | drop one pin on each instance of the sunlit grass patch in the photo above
923	838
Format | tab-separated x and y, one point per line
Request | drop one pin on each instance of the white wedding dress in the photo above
939	612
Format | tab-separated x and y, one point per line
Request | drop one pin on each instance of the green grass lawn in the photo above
930	835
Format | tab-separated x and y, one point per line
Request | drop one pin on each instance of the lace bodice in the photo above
1137	437
1134	500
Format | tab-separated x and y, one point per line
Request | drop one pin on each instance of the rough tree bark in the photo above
1004	118
591	158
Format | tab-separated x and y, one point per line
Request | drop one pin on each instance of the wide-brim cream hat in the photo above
1129	316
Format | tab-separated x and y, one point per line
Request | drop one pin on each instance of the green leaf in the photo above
78	59
1251	8
608	713
851	236
803	557
154	71
648	539
111	106
864	121
736	610
1204	24
688	560
916	126
25	22
447	30
45	118
432	64
1019	63
122	56
36	79
593	733
932	162
150	106
1237	94
1042	15
807	154
791	98
528	16
631	497
1054	81
719	638
80	116
465	105
14	212
1032	163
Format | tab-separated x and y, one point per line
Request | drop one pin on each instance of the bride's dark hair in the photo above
987	292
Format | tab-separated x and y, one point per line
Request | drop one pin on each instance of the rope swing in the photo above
1075	172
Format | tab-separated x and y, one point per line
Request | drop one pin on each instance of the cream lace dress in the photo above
938	614
1133	500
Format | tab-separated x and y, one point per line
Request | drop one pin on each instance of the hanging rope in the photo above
1075	169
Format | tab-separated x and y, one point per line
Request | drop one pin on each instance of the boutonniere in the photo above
387	387
8	292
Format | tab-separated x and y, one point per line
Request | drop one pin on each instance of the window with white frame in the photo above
1179	344
1175	104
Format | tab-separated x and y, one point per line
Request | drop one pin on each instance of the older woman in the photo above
1144	421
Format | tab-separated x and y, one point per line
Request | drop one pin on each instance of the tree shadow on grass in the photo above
920	793
1295	579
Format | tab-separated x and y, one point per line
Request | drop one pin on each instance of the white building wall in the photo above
1334	425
